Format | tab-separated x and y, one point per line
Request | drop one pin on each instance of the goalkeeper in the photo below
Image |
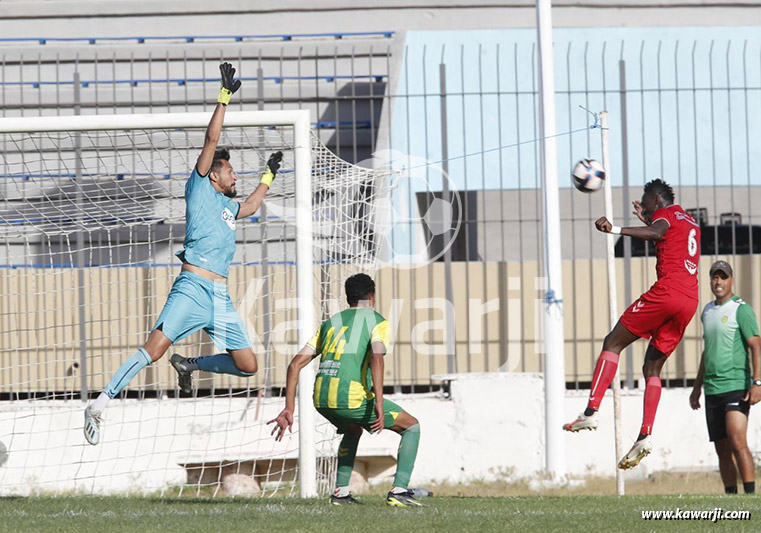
199	298
349	396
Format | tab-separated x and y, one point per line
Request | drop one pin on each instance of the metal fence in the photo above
682	108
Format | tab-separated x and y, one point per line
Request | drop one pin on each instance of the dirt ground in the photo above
700	482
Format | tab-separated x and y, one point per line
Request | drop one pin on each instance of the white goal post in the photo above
31	147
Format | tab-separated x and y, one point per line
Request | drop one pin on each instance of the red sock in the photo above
652	397
605	371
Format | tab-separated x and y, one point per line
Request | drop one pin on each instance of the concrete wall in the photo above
492	426
118	17
40	348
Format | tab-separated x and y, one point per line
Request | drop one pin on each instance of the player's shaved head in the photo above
359	287
661	190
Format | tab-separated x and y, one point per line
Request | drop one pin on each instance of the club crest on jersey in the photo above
690	266
228	217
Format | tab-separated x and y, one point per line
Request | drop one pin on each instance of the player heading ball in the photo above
661	314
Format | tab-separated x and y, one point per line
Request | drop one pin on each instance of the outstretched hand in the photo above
283	421
273	163
603	224
228	77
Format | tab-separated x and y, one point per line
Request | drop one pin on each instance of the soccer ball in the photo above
588	175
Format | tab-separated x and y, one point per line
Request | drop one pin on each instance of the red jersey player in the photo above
661	314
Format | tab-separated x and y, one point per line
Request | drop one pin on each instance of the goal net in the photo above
92	212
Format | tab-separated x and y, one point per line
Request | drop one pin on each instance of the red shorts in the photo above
661	314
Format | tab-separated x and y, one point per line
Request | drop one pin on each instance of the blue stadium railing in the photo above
190	39
185	81
195	38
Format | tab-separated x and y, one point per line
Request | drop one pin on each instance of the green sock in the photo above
406	459
347	451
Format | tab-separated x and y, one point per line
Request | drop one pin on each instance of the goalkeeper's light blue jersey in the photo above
209	226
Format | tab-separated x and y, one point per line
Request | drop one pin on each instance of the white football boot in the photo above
92	426
582	422
639	451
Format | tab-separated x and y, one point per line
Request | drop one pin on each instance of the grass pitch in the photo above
461	514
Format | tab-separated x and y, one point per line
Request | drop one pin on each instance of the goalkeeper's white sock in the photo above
99	405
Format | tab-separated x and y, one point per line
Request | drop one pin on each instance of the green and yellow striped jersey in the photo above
344	344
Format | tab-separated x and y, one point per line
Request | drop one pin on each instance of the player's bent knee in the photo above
651	369
157	345
413	429
353	429
245	361
737	443
722	447
608	343
250	368
405	421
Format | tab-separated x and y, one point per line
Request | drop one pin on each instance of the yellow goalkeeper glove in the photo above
229	84
273	164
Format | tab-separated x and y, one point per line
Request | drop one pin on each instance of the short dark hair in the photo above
222	154
661	189
359	287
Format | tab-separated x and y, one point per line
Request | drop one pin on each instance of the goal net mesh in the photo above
89	224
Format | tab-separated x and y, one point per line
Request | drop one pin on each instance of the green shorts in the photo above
362	416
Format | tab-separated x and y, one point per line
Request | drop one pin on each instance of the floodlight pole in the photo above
554	349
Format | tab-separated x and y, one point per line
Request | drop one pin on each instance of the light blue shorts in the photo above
198	303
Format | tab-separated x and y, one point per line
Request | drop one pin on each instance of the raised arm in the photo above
254	201
213	131
651	232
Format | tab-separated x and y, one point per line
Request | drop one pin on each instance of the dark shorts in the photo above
660	315
717	406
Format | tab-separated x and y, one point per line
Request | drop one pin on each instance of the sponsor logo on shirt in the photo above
690	266
724	319
330	367
228	217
